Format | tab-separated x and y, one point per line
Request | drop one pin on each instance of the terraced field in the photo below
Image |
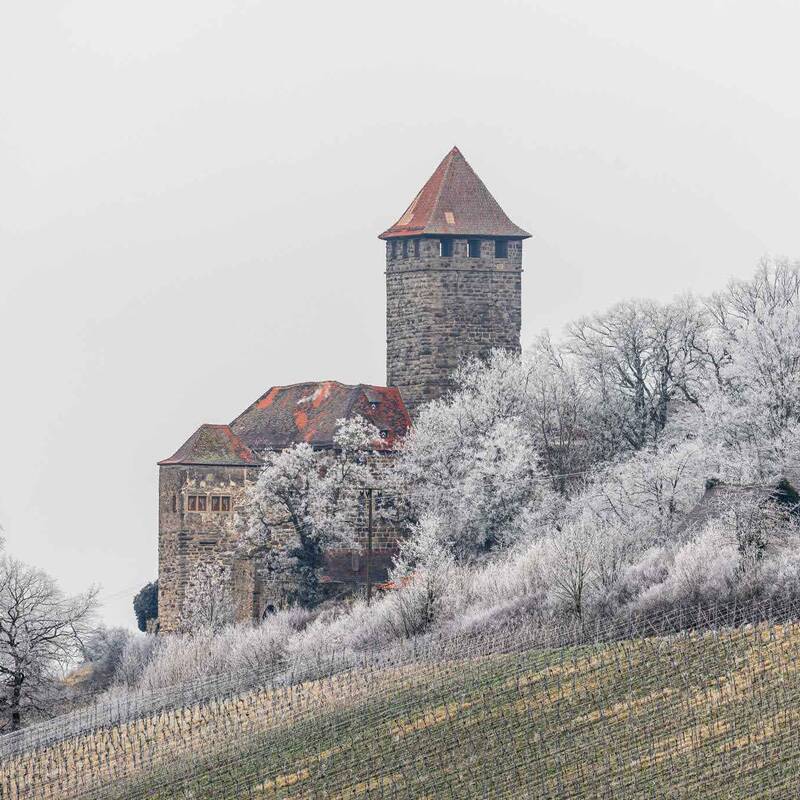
713	715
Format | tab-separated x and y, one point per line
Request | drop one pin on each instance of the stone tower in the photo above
453	282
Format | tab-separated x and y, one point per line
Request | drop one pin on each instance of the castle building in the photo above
453	290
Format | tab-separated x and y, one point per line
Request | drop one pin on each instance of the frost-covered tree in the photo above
41	631
637	359
306	501
472	460
754	349
422	576
208	602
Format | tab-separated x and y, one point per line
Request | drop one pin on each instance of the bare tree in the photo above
209	599
639	357
40	635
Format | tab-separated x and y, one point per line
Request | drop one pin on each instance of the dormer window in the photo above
445	247
474	248
500	248
373	404
384	434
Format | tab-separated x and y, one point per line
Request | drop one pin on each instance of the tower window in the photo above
174	502
474	248
500	248
446	247
398	248
416	248
405	248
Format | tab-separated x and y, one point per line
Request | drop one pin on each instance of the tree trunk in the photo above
16	701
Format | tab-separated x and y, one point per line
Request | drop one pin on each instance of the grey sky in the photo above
190	194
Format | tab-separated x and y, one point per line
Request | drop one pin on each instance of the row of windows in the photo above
204	502
403	248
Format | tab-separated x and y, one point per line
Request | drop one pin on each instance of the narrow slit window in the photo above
174	502
405	248
474	248
416	248
500	248
445	247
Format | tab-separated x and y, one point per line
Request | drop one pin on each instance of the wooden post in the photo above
369	546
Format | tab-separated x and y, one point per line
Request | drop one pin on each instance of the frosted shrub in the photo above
705	569
204	653
209	598
139	650
780	575
339	633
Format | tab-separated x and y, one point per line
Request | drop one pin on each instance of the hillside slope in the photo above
713	715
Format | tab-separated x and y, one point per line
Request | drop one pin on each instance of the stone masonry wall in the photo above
441	310
190	538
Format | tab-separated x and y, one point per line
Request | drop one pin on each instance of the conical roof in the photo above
454	201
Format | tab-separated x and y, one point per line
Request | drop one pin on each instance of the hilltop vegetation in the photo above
552	503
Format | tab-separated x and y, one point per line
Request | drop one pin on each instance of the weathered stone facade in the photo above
441	310
188	539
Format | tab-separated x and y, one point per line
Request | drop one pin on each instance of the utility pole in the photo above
369	545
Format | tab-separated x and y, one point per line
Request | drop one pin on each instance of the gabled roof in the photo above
454	201
308	412
213	444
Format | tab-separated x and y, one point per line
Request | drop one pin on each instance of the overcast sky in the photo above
190	194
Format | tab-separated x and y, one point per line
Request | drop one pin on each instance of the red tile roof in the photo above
308	412
213	444
454	201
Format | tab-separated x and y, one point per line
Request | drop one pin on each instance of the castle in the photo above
453	290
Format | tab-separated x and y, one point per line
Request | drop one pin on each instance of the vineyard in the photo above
712	712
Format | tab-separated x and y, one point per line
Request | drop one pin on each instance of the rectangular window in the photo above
474	246
226	503
201	502
215	502
405	248
192	502
416	248
500	248
174	502
445	247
